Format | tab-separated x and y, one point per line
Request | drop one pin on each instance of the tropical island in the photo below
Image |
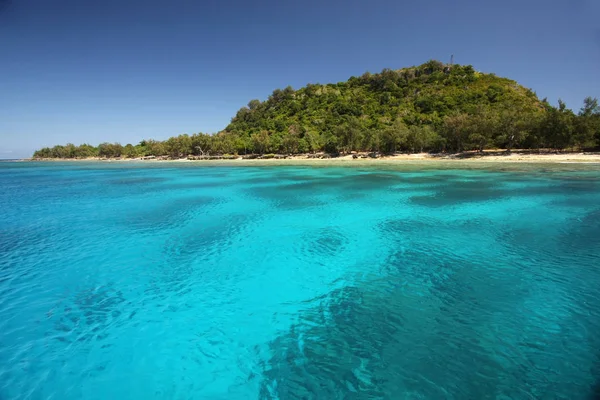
432	108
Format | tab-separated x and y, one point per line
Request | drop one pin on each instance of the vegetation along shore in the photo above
450	111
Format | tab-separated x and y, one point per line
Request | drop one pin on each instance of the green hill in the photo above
431	107
351	113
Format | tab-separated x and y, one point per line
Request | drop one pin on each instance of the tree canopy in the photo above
432	107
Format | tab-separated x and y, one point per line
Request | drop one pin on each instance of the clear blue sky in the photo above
122	70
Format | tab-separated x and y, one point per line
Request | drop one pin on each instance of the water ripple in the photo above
196	281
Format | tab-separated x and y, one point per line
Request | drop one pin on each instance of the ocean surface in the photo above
186	281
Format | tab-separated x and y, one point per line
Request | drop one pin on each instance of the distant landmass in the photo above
434	107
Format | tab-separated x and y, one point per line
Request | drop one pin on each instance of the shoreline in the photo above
471	157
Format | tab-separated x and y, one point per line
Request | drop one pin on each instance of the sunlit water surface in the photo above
134	281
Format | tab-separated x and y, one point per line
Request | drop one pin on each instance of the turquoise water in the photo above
164	281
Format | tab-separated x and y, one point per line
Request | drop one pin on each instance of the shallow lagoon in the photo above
226	282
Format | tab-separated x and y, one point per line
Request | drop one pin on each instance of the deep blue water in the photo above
163	281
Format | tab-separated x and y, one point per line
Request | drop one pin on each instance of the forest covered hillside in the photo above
432	107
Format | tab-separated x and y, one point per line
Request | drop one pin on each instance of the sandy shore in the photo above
487	157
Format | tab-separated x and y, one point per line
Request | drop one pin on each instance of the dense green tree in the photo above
225	143
243	144
86	150
178	146
587	124
558	127
155	148
349	134
290	143
393	138
371	139
455	130
514	127
422	95
313	140
129	151
431	107
44	152
201	144
481	127
261	142
422	137
331	143
109	150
